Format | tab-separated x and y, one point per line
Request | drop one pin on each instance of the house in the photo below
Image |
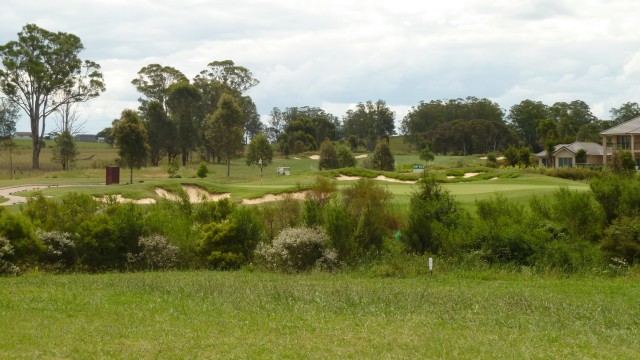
564	155
86	138
22	135
625	136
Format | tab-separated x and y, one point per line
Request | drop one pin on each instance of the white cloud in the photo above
334	53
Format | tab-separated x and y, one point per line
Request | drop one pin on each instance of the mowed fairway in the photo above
243	315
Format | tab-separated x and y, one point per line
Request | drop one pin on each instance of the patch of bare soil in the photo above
361	156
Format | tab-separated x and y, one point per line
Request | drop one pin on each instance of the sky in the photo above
334	54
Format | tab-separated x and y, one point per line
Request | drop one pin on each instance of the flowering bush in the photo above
298	249
60	249
6	251
155	254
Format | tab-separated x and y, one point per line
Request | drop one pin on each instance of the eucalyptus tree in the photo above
370	116
154	81
225	129
183	103
625	112
526	117
41	71
130	138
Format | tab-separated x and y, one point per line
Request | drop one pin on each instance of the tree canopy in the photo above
131	140
41	71
225	130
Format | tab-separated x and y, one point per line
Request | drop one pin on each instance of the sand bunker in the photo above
196	194
270	197
494	178
362	156
468	175
347	178
384	178
119	198
451	177
314	157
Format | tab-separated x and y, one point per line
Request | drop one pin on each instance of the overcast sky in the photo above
333	54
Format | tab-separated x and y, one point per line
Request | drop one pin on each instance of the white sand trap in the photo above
347	178
384	178
500	158
362	156
296	158
483	158
468	175
451	177
314	157
196	194
494	178
119	198
270	197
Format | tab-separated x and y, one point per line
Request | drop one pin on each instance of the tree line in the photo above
42	74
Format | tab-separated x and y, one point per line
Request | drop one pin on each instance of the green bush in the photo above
27	248
202	170
346	157
382	158
105	239
298	249
367	204
622	239
433	213
230	244
328	156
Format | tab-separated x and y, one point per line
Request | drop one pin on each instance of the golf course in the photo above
386	306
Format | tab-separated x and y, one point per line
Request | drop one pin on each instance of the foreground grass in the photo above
258	315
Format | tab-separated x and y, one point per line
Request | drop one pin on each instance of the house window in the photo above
565	162
624	142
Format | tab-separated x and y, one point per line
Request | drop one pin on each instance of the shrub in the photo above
202	170
492	160
367	205
231	243
7	266
173	167
433	212
27	248
328	156
346	157
155	254
622	239
382	158
298	249
60	249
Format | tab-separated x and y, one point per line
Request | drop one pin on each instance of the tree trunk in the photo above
228	167
131	175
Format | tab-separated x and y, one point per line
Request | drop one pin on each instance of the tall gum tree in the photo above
41	72
226	129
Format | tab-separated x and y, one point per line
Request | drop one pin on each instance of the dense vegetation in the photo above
569	231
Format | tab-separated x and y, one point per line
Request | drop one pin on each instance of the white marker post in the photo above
431	266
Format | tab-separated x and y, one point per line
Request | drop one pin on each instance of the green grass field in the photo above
246	182
244	315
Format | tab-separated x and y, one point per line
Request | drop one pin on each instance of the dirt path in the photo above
11	191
